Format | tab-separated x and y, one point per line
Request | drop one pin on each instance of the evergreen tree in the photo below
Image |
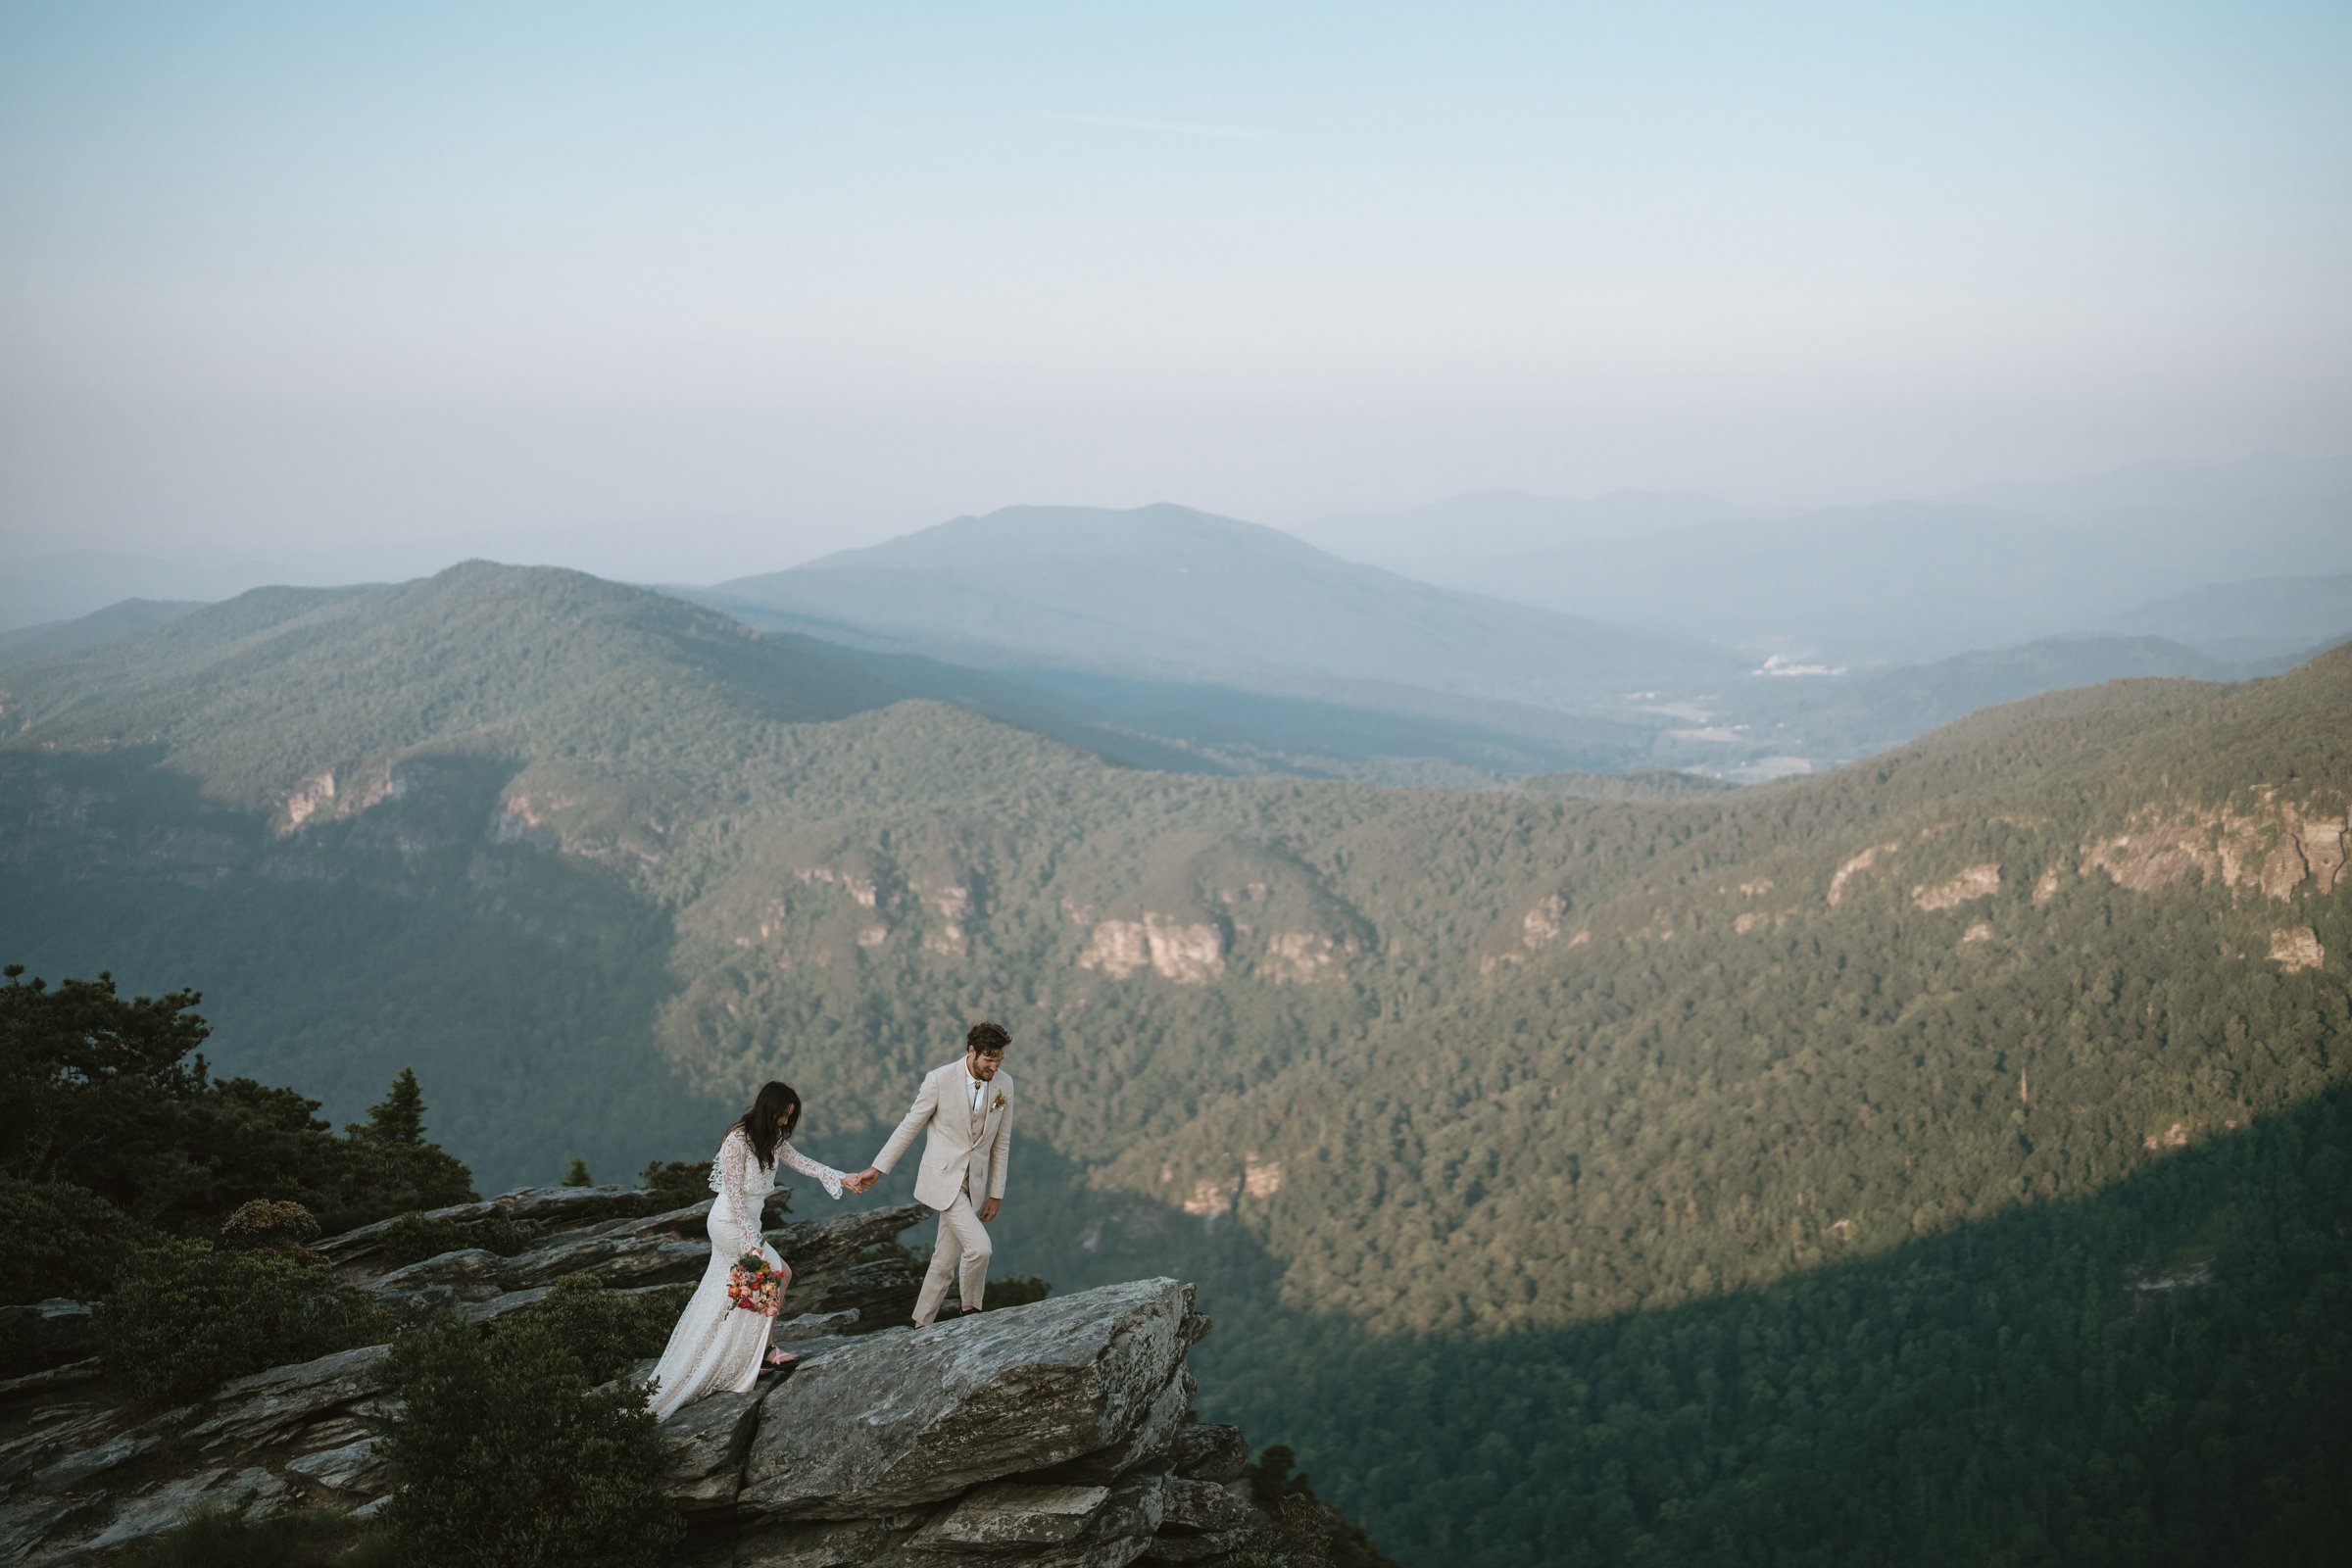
577	1175
399	1117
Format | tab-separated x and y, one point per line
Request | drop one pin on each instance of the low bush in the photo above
213	1539
505	1455
606	1332
62	1240
413	1238
183	1317
679	1181
271	1225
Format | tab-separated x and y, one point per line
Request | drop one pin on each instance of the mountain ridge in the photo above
1615	1055
1200	594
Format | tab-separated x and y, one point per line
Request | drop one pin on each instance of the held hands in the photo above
864	1180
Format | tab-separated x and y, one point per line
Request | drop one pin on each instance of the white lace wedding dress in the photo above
718	1347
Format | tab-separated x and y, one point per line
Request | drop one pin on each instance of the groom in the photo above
967	1106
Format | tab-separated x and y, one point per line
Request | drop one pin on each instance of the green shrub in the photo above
113	1096
576	1174
268	1224
184	1317
413	1238
62	1240
216	1539
505	1455
606	1331
679	1181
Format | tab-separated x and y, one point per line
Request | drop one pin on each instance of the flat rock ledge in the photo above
1058	1434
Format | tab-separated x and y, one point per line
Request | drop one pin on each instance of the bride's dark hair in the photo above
759	1124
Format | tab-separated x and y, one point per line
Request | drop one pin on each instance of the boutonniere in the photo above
999	1103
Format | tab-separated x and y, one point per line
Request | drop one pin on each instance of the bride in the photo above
718	1347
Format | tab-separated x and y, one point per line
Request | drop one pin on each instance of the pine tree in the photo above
399	1117
577	1175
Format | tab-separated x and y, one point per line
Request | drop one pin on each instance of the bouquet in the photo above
754	1286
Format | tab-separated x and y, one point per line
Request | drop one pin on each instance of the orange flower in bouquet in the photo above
755	1286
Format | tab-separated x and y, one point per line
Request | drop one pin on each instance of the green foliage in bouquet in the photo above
507	1455
182	1317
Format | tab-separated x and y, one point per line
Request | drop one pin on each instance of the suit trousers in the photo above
959	1254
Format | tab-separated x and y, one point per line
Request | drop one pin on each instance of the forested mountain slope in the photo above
1441	1064
26	644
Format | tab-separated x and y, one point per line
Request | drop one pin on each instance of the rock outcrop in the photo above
1057	1433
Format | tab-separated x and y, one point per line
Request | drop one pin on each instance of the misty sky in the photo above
686	290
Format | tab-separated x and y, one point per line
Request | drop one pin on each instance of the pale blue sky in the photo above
750	281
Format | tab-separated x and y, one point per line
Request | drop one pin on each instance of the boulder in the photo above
1007	1513
906	1417
1200	1507
253	1492
655	1259
50	1379
813	1326
83	1465
357	1468
1179	1552
549	1207
1151	1439
24	1526
470	1273
828	1544
709	1442
1210	1453
269	1406
662	1248
48	1333
823	1253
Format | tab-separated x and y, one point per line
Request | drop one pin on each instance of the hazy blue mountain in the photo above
2259	481
2263	618
42	589
1905	581
131	615
1167	593
1433	542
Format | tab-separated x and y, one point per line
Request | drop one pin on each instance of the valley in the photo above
1446	1083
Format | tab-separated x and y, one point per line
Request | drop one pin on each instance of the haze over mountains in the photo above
1172	638
1460	1078
1897	581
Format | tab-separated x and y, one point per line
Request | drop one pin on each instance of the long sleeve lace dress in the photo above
718	1347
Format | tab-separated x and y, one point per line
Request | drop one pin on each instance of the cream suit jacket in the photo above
957	1157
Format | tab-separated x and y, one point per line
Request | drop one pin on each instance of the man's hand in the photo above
988	1210
865	1179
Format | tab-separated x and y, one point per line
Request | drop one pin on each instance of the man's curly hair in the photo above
986	1037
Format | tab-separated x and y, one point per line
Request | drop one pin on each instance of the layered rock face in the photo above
1058	1432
